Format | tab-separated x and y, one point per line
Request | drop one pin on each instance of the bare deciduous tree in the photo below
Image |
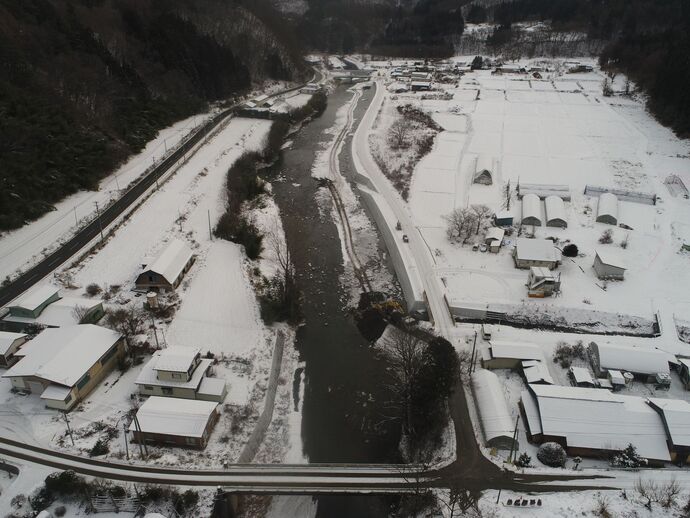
460	224
80	314
398	134
128	320
480	213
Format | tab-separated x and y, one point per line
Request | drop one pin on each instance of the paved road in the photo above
93	229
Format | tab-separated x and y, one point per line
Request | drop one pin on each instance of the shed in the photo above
494	234
555	212
483	170
580	377
9	344
503	218
531	210
607	210
538	373
642	362
535	252
495	419
418	86
608	266
684	371
175	422
32	303
509	355
167	270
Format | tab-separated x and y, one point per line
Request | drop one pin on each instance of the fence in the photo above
623	195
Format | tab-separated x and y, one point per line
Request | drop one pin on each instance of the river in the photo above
342	372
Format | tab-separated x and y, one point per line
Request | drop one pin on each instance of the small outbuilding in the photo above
494	239
542	282
494	416
535	252
555	212
581	377
9	345
509	355
483	170
32	304
537	373
166	272
531	210
607	210
175	422
503	218
608	266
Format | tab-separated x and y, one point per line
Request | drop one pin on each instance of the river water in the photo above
341	369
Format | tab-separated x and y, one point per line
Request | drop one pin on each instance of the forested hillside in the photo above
86	83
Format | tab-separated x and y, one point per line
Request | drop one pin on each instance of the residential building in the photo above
175	422
535	252
166	272
180	372
608	266
9	345
542	282
64	364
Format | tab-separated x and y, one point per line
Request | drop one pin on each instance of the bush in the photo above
606	237
60	511
628	458
93	289
41	498
523	461
100	448
570	250
64	483
552	454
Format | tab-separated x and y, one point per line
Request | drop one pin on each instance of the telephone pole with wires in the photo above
69	430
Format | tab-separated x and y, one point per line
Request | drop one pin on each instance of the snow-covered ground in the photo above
25	246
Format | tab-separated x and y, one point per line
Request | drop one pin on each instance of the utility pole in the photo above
512	445
474	346
69	430
100	223
210	234
76	221
141	439
142	442
117	183
124	428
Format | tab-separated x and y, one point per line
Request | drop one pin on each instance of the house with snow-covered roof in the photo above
175	422
166	271
64	364
535	252
180	372
9	345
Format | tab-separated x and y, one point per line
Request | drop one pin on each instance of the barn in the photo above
607	210
483	170
608	266
555	212
166	272
531	210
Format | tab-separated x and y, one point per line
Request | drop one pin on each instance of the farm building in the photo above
419	86
494	238
509	355
9	344
166	272
580	377
544	190
66	311
64	364
531	210
607	209
483	170
541	282
593	422
175	422
643	363
608	266
535	252
555	212
180	372
310	88
684	371
536	372
675	414
503	218
494	416
31	304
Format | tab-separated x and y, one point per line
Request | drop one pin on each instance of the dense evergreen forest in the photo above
86	83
